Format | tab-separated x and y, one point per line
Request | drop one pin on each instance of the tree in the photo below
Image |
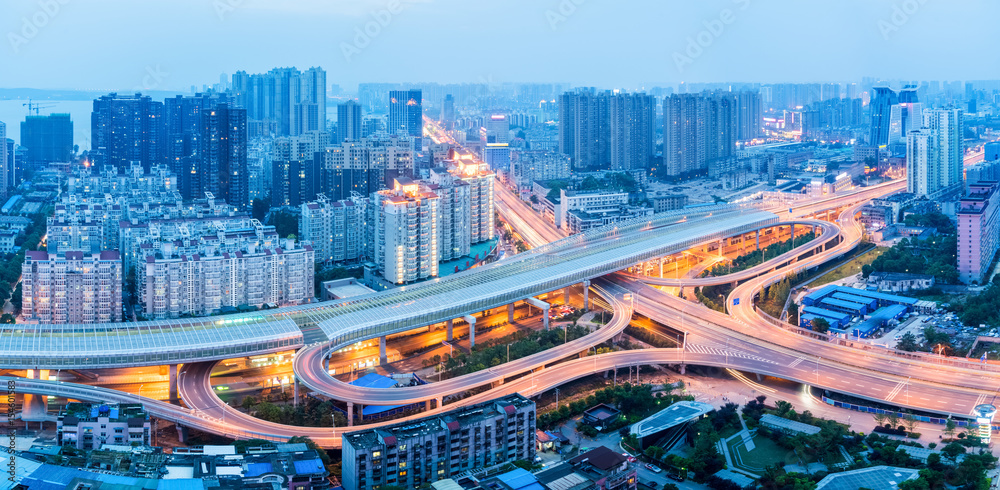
908	342
949	428
879	419
7	318
249	403
820	325
285	223
655	452
259	209
910	422
892	419
952	450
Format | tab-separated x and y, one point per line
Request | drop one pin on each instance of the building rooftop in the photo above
452	420
677	413
600	457
737	478
898	276
880	477
790	425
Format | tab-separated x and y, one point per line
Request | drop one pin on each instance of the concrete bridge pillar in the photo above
566	289
544	307
34	407
586	290
182	433
758	237
295	390
383	358
451	325
510	313
173	382
722	243
440	402
472	330
350	414
683	369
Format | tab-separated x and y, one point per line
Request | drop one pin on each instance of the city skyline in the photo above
711	42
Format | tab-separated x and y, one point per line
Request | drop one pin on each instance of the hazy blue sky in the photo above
173	44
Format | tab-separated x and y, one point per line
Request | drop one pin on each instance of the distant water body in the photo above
13	112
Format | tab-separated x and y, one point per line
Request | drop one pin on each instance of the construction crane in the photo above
35	106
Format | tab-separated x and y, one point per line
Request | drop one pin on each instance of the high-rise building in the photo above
47	138
448	112
173	283
72	288
406	115
749	115
365	166
184	119
9	166
283	101
497	156
222	156
126	129
406	234
632	131
297	175
454	220
414	453
907	115
697	130
934	154
585	129
5	161
978	231
497	129
348	122
543	165
337	230
480	180
882	101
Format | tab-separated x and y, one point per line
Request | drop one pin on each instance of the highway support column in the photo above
295	390
544	307
758	237
350	414
451	325
383	359
566	289
472	330
173	382
586	290
34	407
510	313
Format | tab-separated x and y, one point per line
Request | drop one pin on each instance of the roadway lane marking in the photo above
702	349
979	401
895	390
796	362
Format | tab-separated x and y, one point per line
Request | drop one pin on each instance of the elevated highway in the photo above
309	368
554	266
828	235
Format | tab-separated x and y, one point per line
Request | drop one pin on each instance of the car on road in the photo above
654	469
631	459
